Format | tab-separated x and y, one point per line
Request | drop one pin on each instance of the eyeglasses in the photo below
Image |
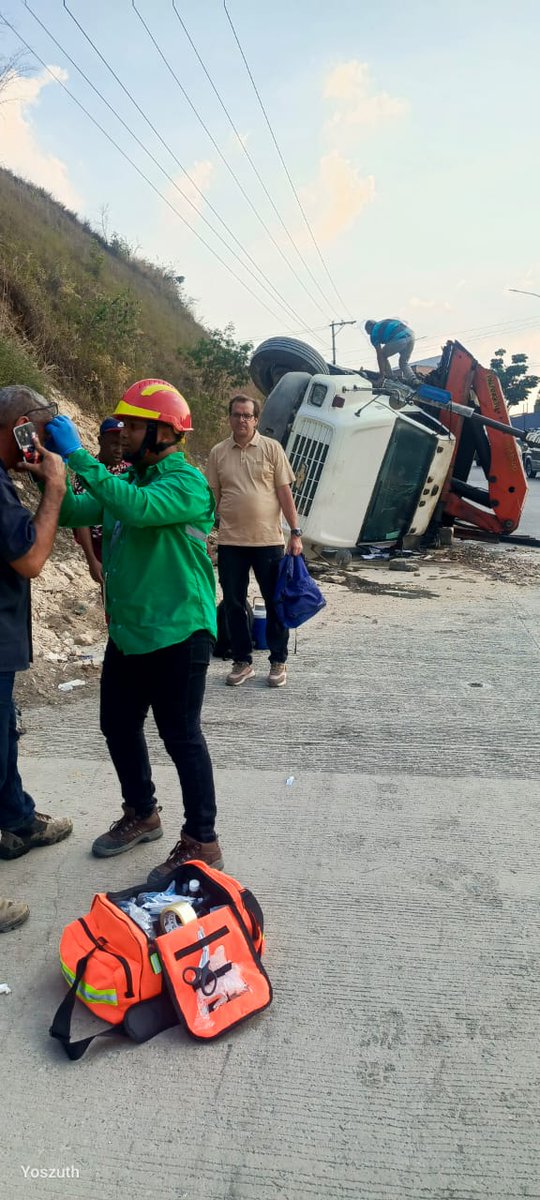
51	408
243	416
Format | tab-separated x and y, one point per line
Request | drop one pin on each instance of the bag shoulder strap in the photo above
61	1026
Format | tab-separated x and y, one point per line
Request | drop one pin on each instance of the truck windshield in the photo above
399	484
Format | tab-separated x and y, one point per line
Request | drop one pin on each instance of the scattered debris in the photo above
71	684
397	564
5	990
289	782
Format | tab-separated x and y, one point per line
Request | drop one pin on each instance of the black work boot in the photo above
127	832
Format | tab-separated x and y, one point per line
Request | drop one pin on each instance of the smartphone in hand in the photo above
23	435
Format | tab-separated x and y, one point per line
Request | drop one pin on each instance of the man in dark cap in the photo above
111	451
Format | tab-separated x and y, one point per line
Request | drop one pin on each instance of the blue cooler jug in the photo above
259	624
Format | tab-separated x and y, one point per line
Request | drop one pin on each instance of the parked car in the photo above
531	454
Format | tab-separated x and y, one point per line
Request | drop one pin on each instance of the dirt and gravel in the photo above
70	631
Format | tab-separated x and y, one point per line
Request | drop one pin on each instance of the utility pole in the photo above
337	325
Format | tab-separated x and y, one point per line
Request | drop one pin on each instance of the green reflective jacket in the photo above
159	581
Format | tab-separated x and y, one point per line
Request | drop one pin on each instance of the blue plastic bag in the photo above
296	596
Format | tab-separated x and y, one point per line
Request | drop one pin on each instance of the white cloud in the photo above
351	86
337	197
201	175
19	145
233	142
417	302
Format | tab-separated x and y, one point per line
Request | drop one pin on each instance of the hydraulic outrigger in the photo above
474	410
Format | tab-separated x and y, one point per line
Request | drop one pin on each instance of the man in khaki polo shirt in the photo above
250	476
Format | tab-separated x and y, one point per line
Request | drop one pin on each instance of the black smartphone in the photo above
23	435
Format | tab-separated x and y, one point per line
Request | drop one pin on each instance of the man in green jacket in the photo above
160	602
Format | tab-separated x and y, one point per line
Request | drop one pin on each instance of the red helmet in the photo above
156	400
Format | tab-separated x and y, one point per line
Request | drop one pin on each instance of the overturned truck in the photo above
391	464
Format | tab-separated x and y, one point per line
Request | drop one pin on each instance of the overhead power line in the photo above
281	158
248	155
223	158
481	333
169	149
265	281
136	168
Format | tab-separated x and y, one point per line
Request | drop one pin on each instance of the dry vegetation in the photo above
82	312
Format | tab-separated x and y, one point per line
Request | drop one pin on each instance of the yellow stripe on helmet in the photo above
158	387
133	410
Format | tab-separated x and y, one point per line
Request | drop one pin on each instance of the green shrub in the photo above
18	366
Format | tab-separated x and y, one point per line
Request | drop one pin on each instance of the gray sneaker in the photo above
277	676
239	673
44	831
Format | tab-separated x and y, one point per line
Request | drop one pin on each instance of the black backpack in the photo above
222	648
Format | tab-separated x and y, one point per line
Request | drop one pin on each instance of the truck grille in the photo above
307	458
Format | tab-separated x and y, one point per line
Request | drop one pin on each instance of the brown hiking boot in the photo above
127	832
239	673
44	831
186	849
277	676
12	914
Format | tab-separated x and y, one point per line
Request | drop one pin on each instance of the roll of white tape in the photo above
176	914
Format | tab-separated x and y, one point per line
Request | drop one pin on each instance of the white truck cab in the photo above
376	464
369	469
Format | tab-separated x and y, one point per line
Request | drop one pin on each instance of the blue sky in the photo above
410	133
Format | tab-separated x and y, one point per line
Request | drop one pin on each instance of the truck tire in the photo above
529	469
282	354
282	404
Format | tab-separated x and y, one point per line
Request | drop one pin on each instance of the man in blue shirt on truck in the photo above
391	337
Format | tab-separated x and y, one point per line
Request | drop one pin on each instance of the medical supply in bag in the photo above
176	914
204	973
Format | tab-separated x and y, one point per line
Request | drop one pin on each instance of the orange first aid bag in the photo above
206	975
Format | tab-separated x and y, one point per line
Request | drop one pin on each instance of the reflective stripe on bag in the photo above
89	993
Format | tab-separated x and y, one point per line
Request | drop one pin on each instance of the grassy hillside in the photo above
83	313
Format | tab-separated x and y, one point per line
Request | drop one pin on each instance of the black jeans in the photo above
171	682
234	563
16	806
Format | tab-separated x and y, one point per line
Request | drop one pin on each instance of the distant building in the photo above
525	421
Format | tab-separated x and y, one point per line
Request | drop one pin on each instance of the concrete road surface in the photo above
399	877
530	521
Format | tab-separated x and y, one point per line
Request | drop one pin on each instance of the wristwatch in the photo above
296	533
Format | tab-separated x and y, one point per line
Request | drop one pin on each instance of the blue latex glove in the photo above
62	437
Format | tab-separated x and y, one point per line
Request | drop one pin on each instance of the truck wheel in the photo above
528	469
275	357
282	404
